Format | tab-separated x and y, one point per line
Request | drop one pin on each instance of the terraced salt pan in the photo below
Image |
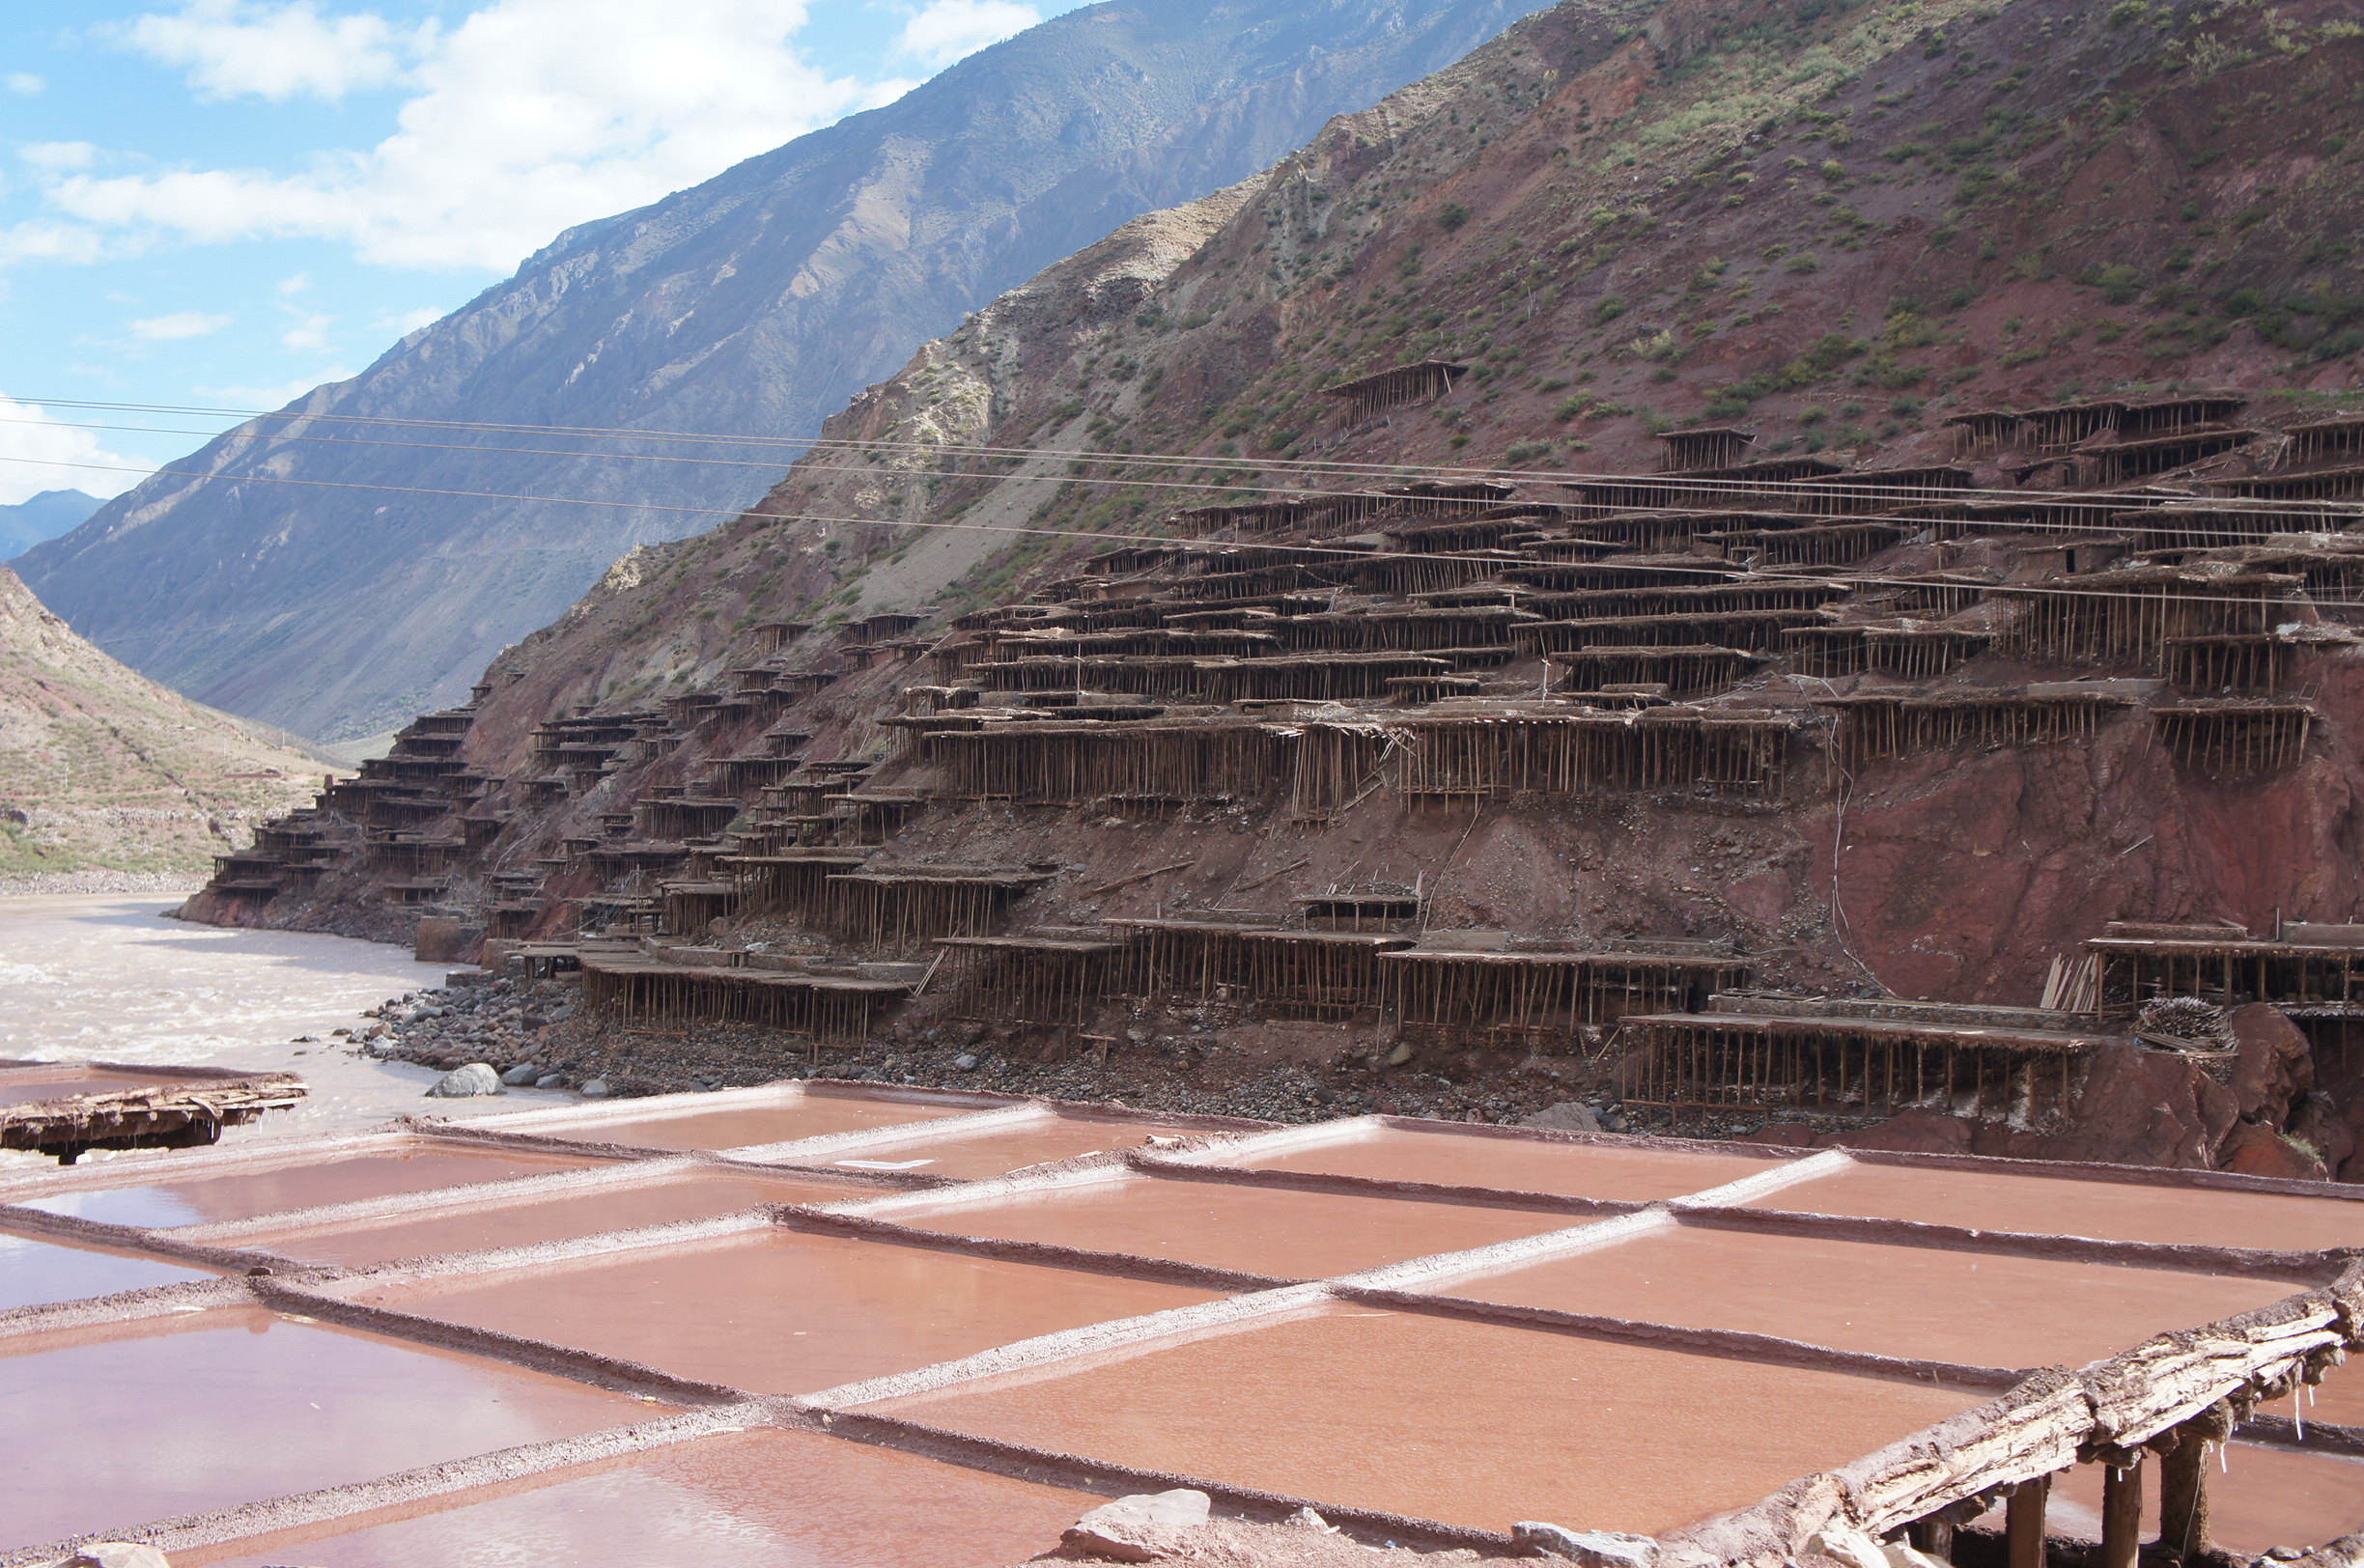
1579	1171
2054	1206
193	1196
37	1273
804	1116
144	1421
1266	1230
477	1228
1932	1303
788	1312
969	1156
1469	1423
757	1499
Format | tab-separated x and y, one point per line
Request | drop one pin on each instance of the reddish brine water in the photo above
756	1500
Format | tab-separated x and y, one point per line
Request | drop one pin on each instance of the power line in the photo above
1670	481
1776	577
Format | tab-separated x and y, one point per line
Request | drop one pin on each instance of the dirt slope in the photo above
102	768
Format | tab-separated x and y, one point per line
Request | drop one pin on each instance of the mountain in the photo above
100	767
47	516
1889	481
753	305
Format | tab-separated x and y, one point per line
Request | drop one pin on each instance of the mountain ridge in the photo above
752	304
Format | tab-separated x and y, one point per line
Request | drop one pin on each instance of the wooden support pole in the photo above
1934	1538
2183	1500
2024	1522
2121	1515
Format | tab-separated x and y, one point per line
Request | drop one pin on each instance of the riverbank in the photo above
113	977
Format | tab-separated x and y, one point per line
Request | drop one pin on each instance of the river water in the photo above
112	978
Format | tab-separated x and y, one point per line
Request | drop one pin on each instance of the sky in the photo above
221	204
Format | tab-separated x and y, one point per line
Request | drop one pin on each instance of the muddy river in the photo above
112	978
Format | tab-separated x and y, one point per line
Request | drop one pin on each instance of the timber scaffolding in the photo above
2226	965
1704	446
674	985
902	908
2235	739
1027	980
1909	651
1485	751
1814	486
1398	386
1684	670
1865	1060
1543	1000
2127	616
2058	429
1874	727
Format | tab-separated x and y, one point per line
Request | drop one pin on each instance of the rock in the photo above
1139	1527
524	1073
1856	1550
2275	1067
550	1081
1568	1116
2252	1150
965	1062
466	1082
1596	1549
118	1554
597	1089
1306	1519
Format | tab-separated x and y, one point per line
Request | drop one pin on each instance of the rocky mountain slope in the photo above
1962	328
753	305
103	769
47	516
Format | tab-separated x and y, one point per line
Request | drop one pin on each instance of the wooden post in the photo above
2121	1515
2183	1500
2024	1522
1934	1538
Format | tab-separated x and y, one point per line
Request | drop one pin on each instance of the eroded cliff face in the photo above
1839	225
346	585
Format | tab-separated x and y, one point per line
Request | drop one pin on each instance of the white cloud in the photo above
180	323
25	82
307	332
948	30
233	48
45	239
294	283
528	117
37	453
58	156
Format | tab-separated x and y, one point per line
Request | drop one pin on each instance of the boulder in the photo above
118	1554
1139	1527
523	1074
597	1089
1568	1116
2276	1065
466	1082
1594	1549
550	1081
2254	1150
